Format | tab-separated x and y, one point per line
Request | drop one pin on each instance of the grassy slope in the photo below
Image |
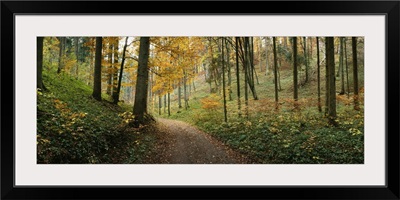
72	127
284	136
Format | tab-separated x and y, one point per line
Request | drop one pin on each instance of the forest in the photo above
200	100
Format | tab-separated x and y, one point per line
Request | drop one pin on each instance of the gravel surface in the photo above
182	143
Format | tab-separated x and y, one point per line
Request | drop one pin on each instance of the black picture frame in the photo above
9	9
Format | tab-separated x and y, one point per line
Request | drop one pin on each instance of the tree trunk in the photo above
60	55
295	95
246	80
237	76
76	43
110	67
97	70
341	63
179	94
169	104
165	103
355	73
223	80
229	70
116	94
275	73
330	59
347	68
115	69
185	98
306	57
39	64
140	105
318	77
159	103
266	55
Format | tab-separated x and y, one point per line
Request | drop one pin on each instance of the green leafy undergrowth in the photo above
72	127
295	138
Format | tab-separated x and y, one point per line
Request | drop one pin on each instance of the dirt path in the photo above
181	143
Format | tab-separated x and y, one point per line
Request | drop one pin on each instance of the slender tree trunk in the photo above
159	103
229	70
295	95
97	70
116	94
355	73
60	55
330	59
39	64
246	80
347	68
306	57
140	105
185	90
326	83
169	104
165	103
341	63
115	68
275	73
318	77
179	94
110	67
223	79
237	76
266	55
76	43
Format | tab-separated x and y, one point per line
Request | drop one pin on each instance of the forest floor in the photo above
182	143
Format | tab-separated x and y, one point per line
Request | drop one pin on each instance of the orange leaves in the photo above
213	102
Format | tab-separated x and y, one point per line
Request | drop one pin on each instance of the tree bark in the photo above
60	55
341	63
237	76
355	73
275	73
97	70
330	59
347	68
318	77
140	105
116	94
295	95
39	64
223	80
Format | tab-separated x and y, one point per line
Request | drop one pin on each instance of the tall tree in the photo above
121	70
341	66
39	64
306	57
76	45
347	68
61	54
318	77
275	73
97	70
140	105
237	75
223	79
330	60
295	95
355	72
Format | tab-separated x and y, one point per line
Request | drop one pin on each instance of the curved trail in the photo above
181	143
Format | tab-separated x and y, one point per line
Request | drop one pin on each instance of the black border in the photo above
389	8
